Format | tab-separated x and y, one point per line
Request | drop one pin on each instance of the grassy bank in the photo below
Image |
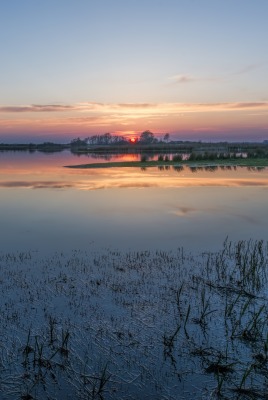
246	162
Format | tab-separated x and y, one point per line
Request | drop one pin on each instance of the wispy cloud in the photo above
135	105
246	69
188	78
184	78
102	108
36	108
87	117
250	105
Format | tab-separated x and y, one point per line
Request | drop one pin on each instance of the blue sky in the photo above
154	55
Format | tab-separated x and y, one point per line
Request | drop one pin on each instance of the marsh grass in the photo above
112	325
211	165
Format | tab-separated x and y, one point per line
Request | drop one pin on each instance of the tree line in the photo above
146	137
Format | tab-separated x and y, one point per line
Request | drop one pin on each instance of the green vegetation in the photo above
246	162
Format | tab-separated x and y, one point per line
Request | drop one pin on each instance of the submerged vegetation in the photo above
112	325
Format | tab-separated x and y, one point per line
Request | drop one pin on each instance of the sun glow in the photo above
191	120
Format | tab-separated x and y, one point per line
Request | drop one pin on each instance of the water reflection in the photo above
46	171
127	208
126	182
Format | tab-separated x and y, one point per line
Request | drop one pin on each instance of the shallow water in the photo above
154	323
139	325
47	207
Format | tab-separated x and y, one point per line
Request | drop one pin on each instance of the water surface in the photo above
47	207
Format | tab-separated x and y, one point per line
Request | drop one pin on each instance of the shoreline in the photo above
240	162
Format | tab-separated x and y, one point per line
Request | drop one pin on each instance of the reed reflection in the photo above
38	171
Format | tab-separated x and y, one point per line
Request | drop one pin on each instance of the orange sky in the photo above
181	120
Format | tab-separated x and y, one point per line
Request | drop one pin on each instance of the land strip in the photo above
244	162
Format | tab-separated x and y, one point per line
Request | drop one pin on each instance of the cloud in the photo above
250	105
84	118
85	106
136	105
36	108
134	108
184	79
188	78
210	107
246	69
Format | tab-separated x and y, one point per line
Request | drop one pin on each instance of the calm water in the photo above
47	207
156	320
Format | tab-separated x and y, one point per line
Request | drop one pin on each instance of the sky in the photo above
196	69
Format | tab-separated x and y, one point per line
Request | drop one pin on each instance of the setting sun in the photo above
133	140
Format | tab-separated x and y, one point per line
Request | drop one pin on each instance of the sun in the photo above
133	140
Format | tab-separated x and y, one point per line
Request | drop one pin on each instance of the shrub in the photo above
177	157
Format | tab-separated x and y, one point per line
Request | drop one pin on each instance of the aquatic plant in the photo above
112	325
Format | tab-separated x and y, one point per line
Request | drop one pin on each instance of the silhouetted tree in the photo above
166	138
147	137
78	142
106	139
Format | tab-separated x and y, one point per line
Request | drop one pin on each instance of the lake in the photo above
47	207
121	283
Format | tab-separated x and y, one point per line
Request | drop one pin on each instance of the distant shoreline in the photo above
170	147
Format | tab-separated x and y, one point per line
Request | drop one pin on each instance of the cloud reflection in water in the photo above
125	183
